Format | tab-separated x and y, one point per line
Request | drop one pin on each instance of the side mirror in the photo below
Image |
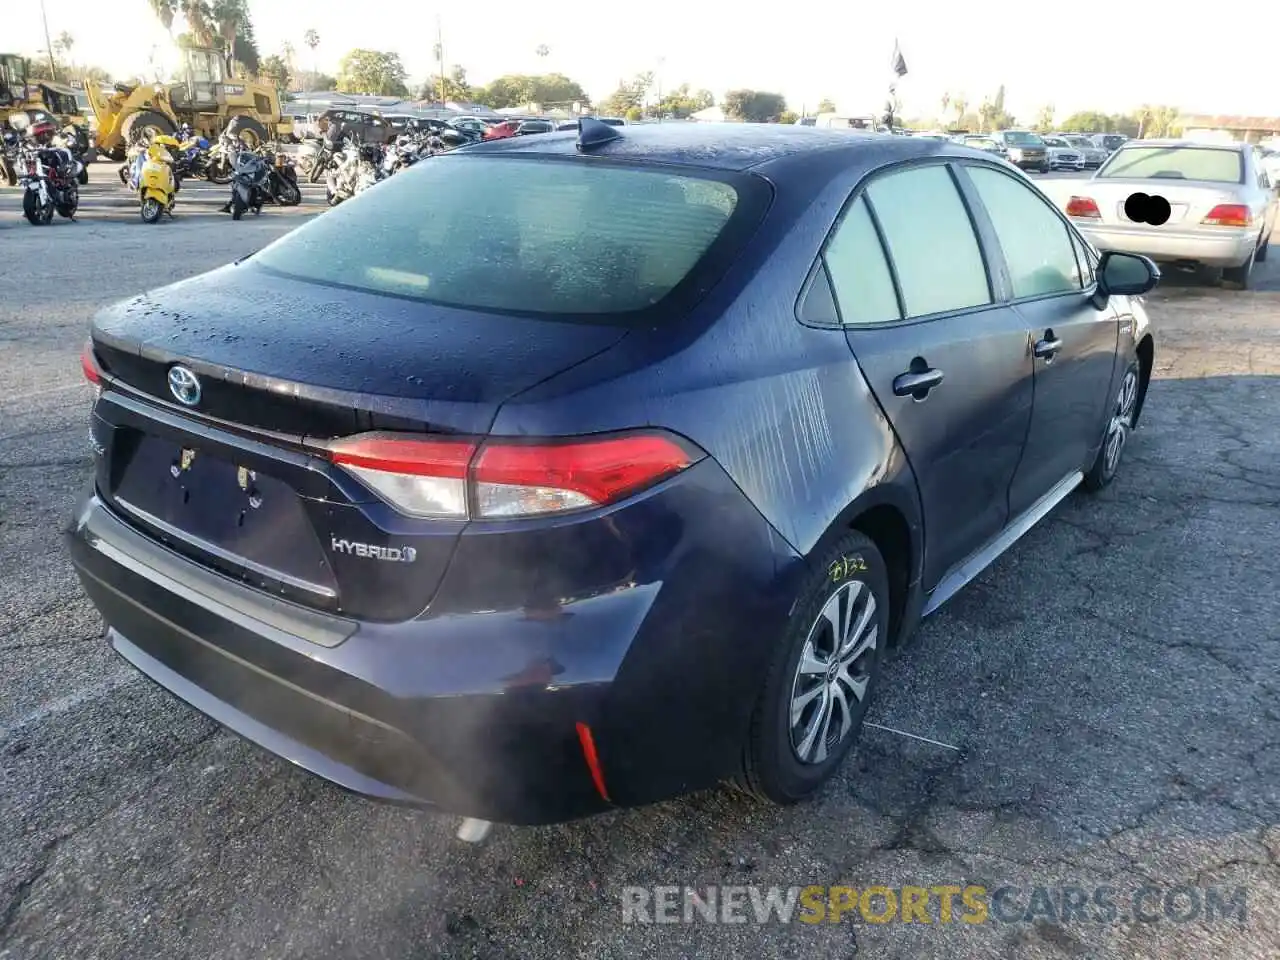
1126	274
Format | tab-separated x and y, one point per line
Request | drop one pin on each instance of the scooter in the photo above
154	181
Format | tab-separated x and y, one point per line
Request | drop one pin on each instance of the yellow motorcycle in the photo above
153	179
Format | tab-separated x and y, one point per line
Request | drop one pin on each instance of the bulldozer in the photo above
209	98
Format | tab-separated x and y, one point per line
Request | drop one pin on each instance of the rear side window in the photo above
1176	163
859	271
1035	241
562	237
931	240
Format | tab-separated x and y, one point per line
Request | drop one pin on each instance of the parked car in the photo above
1110	142
1094	156
1193	204
1024	149
506	520
500	131
1062	155
527	127
980	142
369	127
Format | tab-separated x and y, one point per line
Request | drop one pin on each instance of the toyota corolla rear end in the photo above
301	523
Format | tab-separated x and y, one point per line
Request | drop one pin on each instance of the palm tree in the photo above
164	11
199	21
961	103
946	102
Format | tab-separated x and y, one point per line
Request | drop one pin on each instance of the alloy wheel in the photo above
833	672
1121	420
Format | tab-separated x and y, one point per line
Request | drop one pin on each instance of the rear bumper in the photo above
472	713
1229	248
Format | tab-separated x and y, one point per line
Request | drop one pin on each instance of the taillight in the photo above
1228	215
89	365
1083	207
444	478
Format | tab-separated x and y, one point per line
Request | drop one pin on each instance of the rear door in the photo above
949	365
1073	340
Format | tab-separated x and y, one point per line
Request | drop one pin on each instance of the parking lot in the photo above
1099	709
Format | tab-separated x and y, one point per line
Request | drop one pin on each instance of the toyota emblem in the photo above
184	385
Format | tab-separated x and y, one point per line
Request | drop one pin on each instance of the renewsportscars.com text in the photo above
939	903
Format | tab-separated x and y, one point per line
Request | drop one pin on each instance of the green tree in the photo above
754	106
372	72
456	87
826	105
200	21
164	11
788	116
517	89
310	80
681	102
1087	121
274	69
634	113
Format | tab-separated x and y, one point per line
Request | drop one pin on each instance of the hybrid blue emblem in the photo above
184	385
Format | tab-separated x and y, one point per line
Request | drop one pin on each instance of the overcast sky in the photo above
1076	56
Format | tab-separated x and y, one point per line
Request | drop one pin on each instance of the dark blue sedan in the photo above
580	471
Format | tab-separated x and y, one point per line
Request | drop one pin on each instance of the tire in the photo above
83	176
290	193
1044	168
1239	278
68	210
786	761
219	172
1116	435
1261	255
37	215
10	175
137	123
317	171
247	130
151	210
238	207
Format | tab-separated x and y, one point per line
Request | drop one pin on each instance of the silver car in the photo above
1062	155
1183	202
1094	155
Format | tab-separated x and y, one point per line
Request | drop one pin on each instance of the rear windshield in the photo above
550	236
1176	163
1022	138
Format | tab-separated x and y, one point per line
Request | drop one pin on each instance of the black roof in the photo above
725	146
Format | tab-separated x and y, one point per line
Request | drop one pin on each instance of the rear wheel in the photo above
1239	278
823	674
1119	426
1263	246
238	206
290	194
83	176
72	204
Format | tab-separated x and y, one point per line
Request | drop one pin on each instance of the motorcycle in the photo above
76	140
259	179
48	178
156	184
10	146
220	161
357	169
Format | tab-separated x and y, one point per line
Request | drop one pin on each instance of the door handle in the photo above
1047	346
916	383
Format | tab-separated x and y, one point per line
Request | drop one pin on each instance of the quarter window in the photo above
859	270
930	240
1036	242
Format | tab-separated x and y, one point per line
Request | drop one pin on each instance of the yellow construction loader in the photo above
20	95
209	98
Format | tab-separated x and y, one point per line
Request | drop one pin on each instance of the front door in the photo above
1073	340
950	367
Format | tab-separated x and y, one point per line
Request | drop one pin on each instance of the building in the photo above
1247	129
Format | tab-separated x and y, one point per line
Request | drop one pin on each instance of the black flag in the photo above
898	64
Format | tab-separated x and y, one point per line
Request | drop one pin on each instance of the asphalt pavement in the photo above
1097	711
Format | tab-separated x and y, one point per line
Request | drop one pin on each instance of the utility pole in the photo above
440	49
48	46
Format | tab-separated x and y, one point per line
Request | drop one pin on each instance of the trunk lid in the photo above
1189	201
238	480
